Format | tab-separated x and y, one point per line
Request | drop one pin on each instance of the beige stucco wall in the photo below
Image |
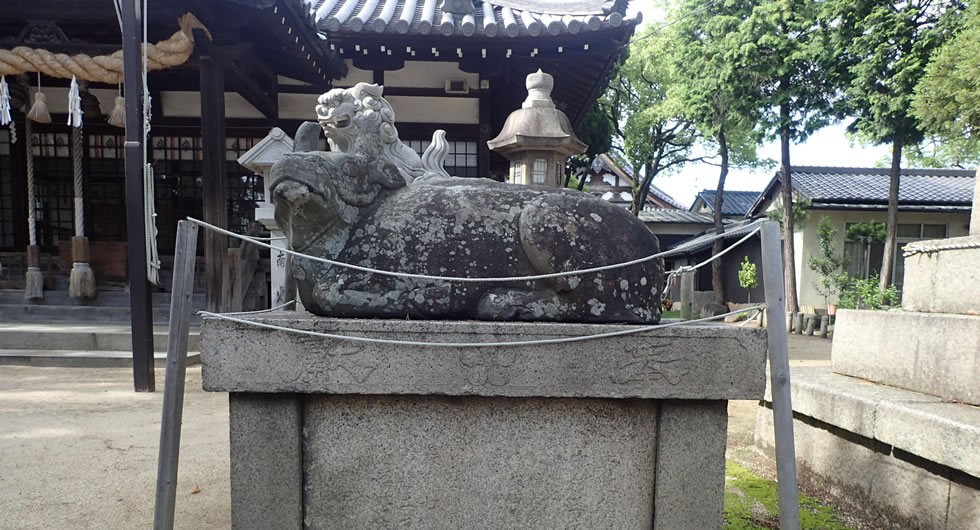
807	243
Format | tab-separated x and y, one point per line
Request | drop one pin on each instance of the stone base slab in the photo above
905	457
936	354
693	362
944	281
331	434
943	432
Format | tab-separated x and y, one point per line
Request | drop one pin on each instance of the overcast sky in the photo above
827	147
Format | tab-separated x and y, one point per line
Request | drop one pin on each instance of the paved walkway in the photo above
78	448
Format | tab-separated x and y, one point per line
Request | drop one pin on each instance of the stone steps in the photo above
82	358
26	312
932	353
111	298
82	337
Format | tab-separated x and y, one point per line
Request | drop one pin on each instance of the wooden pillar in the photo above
213	166
482	149
141	311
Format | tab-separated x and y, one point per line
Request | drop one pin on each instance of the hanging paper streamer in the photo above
4	101
74	104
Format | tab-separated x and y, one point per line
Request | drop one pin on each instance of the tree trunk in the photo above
640	197
789	248
717	277
888	257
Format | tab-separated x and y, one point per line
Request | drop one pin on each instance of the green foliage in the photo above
801	213
947	98
713	85
885	46
829	265
596	130
656	136
786	44
576	171
746	493
868	294
747	277
867	233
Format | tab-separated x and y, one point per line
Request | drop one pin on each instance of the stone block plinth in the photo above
932	353
906	458
944	281
619	432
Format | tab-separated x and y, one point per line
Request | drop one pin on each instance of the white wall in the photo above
808	245
188	104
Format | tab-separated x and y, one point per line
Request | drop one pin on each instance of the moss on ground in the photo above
752	502
672	314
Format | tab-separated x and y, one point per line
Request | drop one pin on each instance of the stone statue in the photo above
361	205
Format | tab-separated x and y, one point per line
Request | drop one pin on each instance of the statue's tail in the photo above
435	156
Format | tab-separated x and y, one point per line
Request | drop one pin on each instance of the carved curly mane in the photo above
365	107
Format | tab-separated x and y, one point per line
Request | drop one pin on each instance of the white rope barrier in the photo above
259	311
255	241
537	342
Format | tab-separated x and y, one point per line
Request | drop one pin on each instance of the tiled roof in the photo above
732	202
606	162
704	241
666	215
499	18
827	184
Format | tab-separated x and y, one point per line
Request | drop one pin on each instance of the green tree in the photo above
656	136
785	43
885	45
947	99
747	276
716	90
829	264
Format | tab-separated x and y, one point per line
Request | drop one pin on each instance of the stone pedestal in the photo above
892	428
620	432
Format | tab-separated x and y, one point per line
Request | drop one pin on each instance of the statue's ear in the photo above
307	137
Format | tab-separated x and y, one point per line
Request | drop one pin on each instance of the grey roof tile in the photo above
503	18
870	185
733	202
664	215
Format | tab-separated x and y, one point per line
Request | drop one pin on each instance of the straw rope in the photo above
103	68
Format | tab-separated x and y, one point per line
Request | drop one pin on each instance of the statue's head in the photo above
347	113
316	193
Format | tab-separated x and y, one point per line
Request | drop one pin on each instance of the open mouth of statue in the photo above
341	122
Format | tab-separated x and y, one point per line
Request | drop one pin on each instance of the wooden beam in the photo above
255	82
213	166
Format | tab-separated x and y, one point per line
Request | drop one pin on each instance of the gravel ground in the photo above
78	448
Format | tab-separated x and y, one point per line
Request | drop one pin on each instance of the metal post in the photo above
782	408
173	385
141	311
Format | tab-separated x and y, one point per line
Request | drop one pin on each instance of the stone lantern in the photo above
537	138
260	160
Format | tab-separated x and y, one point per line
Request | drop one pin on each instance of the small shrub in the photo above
867	294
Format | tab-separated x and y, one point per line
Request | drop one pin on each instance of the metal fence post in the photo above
173	386
782	408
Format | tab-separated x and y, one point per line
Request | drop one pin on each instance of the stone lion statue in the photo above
358	205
